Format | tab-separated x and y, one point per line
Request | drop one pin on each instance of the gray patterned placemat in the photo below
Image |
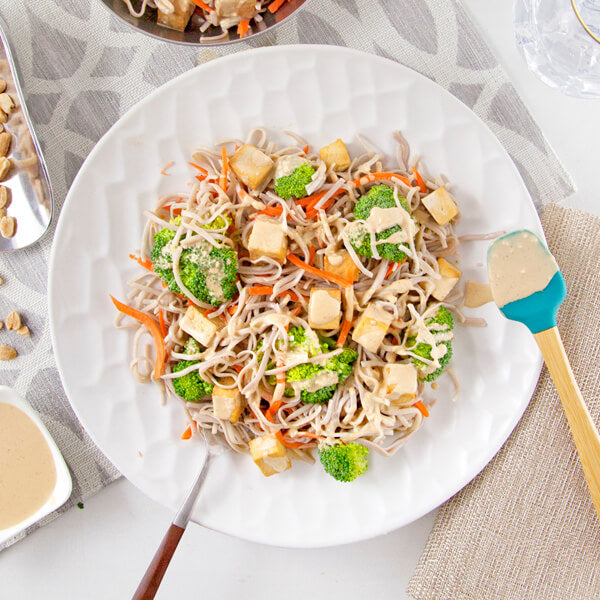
81	68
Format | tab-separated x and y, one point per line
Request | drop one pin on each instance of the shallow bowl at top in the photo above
192	36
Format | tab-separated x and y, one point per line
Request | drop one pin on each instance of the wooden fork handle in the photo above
583	429
155	572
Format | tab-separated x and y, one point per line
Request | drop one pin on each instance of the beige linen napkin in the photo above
525	528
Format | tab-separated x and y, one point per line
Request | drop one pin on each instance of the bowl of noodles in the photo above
210	22
286	274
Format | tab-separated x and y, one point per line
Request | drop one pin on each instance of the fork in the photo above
157	568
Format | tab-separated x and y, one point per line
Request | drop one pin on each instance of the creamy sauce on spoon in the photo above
27	468
518	266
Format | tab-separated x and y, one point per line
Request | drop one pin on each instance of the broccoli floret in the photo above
191	387
305	371
300	340
308	371
191	346
381	196
327	344
221	222
442	317
217	269
218	265
161	258
344	462
320	396
295	183
342	363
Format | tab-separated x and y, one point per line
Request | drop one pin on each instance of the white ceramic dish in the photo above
63	487
101	224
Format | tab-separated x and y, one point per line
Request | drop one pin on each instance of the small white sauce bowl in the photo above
64	485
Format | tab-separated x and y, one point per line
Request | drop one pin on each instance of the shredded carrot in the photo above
344	331
147	264
276	5
305	149
203	5
312	252
318	272
420	181
200	177
201	169
187	434
242	28
237	147
164	169
162	324
286	441
265	290
260	290
225	168
272	410
237	368
270	211
169	207
422	408
309	434
310	207
382	176
391	268
154	330
231	310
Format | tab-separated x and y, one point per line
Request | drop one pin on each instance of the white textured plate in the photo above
316	91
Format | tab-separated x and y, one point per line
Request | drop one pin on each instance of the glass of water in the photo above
560	40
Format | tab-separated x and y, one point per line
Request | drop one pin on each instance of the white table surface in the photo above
102	551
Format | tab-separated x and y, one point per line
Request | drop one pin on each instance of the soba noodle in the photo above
252	342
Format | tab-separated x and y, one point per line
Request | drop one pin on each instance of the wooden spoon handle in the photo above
585	434
155	572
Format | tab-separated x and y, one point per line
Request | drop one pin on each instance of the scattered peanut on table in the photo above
7	353
13	320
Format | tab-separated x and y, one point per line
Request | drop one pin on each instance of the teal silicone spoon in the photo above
528	287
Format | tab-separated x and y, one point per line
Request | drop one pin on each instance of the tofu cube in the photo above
252	167
371	327
268	239
441	206
450	276
201	328
324	308
229	9
269	454
400	382
180	16
336	153
341	264
227	402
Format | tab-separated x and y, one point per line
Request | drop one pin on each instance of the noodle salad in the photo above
298	300
203	15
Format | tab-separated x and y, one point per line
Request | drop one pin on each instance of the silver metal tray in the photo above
30	193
